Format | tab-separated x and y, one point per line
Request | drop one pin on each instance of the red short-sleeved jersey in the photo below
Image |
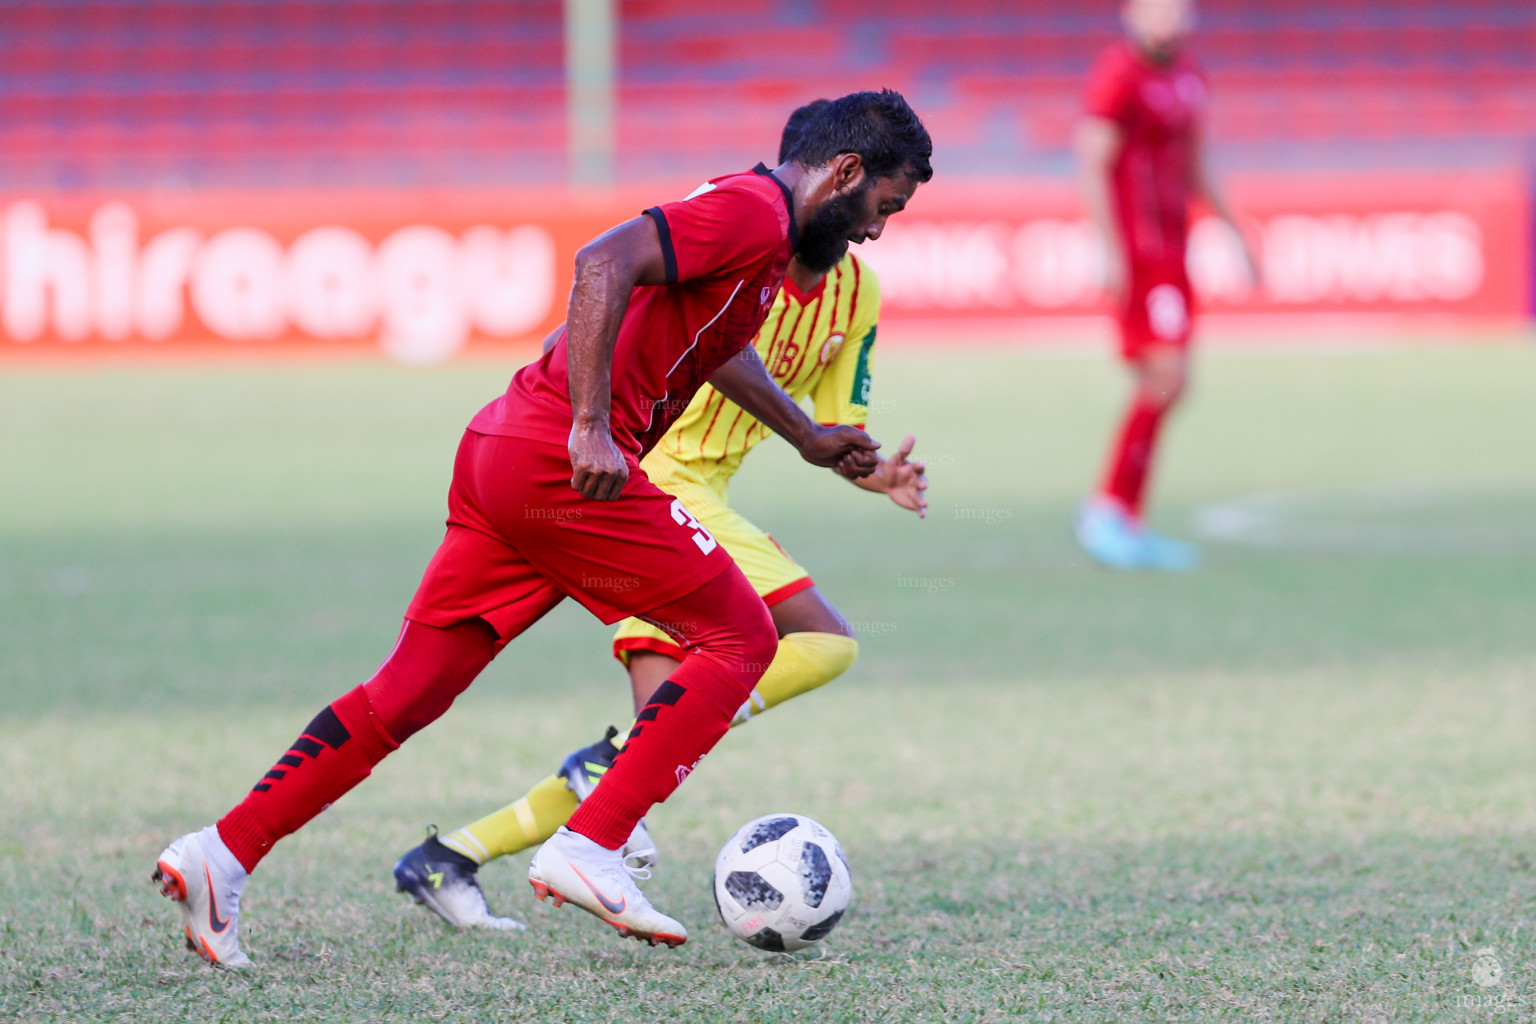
726	248
1158	108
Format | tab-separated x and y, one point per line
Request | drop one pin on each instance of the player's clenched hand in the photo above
858	465
848	449
598	470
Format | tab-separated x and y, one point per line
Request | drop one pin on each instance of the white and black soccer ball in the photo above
782	882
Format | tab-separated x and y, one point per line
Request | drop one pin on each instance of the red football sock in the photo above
688	713
336	751
1130	463
428	668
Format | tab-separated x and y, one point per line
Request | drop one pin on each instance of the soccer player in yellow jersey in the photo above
817	343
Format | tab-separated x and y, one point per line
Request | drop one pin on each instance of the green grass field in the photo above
1294	786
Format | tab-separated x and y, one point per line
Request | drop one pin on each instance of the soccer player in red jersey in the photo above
818	342
1141	163
548	501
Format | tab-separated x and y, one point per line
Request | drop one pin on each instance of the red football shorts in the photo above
1159	310
520	539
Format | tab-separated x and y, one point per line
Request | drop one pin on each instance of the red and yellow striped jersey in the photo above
818	344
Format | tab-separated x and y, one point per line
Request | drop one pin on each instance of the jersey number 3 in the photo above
702	537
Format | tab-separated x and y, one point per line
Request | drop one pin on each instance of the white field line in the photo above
1311	519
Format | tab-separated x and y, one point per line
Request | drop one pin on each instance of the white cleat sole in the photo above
543	892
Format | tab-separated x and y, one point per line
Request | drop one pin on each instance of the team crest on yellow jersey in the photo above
830	348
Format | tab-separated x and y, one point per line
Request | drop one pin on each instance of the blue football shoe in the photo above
1108	536
1168	555
443	880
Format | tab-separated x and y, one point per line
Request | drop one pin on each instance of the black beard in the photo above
824	239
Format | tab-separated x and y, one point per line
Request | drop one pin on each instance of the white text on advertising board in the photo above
421	290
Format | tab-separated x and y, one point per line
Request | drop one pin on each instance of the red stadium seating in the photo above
102	93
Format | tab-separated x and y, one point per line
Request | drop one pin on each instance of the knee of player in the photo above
739	637
831	654
1163	390
759	642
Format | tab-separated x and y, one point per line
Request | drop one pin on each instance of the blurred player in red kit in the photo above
548	501
1141	162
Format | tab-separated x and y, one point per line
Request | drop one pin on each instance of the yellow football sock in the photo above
804	662
525	822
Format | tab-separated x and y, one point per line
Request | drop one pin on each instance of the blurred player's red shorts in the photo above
1159	309
520	539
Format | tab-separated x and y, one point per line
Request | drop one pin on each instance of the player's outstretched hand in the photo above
904	479
847	449
598	470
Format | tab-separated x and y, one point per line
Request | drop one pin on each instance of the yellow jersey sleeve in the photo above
842	394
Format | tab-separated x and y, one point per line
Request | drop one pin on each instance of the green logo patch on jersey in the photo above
860	394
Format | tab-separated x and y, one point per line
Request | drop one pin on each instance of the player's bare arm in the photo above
747	382
901	478
1205	186
607	269
1098	144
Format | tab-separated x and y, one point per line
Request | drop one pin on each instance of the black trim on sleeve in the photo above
789	204
665	234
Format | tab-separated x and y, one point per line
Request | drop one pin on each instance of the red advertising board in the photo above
425	275
419	275
1386	245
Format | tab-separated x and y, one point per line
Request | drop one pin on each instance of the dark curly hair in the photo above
879	126
795	126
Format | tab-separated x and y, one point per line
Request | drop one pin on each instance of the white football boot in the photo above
570	868
199	872
582	770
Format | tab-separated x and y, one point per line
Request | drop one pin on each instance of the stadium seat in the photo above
99	90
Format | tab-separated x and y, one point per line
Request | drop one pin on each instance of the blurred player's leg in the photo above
1161	378
1155	330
